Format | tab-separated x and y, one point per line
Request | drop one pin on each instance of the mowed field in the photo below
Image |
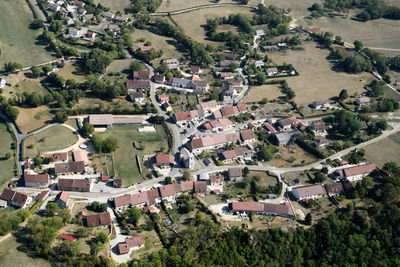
17	41
71	71
124	158
6	165
172	5
384	151
30	119
56	137
270	91
317	80
115	5
193	22
22	82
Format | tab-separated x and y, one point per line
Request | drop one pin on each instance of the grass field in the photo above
270	91
265	179
115	5
124	157
317	80
193	22
54	138
171	5
17	41
30	119
71	71
85	103
22	82
6	165
384	151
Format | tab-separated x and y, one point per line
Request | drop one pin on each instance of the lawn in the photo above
21	82
118	70
56	137
6	165
317	80
384	151
71	71
151	243
193	22
124	158
18	43
291	176
30	119
11	256
115	5
291	156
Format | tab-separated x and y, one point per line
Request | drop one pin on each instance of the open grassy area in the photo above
115	5
124	158
193	22
317	80
85	103
151	243
265	179
54	138
22	82
172	5
71	71
257	93
18	43
30	119
11	256
6	165
384	151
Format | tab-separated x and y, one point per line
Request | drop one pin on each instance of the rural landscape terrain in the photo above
199	133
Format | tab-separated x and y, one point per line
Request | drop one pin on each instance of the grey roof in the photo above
284	137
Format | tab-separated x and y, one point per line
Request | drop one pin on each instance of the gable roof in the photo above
81	155
187	186
7	194
67	237
36	178
187	115
134	241
359	170
63	196
141	74
137	84
165	159
100	119
19	198
167	190
310	190
42	195
98	219
334	188
122	200
58	156
200	186
64	184
75	166
139	198
247	135
228	111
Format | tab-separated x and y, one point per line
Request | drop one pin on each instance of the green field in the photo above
6	165
124	158
384	151
17	41
54	138
71	71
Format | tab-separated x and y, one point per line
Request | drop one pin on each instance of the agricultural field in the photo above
6	165
11	256
30	119
384	151
124	158
193	23
18	43
317	80
173	5
115	5
71	71
56	137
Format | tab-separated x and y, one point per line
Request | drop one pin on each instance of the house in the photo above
80	185
164	98
258	63
67	237
2	83
283	210
58	157
283	138
321	142
235	174
89	36
62	200
212	142
287	123
318	104
70	167
81	155
141	75
100	219
182	117
225	63
226	75
247	136
137	97
121	19
334	189
78	3
131	242
207	106
138	84
216	180
167	107
195	70
221	124
171	63
122	202
27	165
113	28
229	111
54	7
187	186
101	120
364	100
180	82
15	198
319	126
77	33
167	192
187	158
68	21
200	188
260	33
108	15
159	78
354	173
117	183
270	128
87	17
272	71
308	192
228	156
36	180
163	160
42	195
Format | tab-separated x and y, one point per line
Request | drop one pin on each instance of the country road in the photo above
190	9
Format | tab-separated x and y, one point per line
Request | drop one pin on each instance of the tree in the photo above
186	175
264	100
35	71
135	65
102	237
246	171
12	66
168	180
97	142
8	155
87	129
37	23
52	209
81	232
308	219
358	45
110	144
343	95
61	116
132	215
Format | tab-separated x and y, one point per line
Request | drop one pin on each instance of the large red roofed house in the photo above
81	155
186	116
99	219
122	202
164	160
355	173
15	198
283	210
36	180
141	75
167	192
58	157
131	242
80	185
247	136
138	84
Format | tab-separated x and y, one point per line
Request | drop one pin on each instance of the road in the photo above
190	9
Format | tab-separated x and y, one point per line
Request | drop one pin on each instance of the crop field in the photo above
193	22
124	158
317	80
115	5
6	165
18	43
30	119
384	151
54	138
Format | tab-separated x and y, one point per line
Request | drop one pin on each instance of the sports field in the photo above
18	43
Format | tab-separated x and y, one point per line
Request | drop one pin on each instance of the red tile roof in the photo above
122	200
187	115
229	111
187	186
137	84
134	241
67	237
81	155
42	195
165	159
359	170
164	98
36	178
7	194
139	198
200	186
142	74
105	178
102	218
246	135
244	206
63	196
59	156
67	167
167	190
73	184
